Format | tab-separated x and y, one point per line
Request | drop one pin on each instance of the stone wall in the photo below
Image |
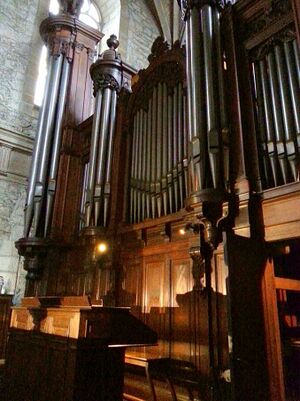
138	30
20	48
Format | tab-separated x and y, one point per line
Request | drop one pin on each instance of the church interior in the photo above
150	200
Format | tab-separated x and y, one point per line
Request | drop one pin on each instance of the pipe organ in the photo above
204	141
276	78
159	148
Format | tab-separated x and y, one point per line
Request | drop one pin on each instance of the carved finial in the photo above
158	48
112	42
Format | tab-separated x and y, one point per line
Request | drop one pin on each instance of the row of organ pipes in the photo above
46	153
158	181
180	143
179	139
277	92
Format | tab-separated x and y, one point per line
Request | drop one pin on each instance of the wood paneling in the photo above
5	304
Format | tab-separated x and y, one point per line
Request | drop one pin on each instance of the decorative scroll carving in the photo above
260	52
158	48
170	73
58	46
103	81
275	11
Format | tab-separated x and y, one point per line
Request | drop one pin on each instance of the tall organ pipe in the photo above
165	149
139	163
275	101
101	160
93	158
149	160
293	83
175	147
211	111
222	104
266	118
106	74
180	144
37	150
158	147
297	59
56	142
107	184
170	152
286	109
144	163
132	178
47	138
194	90
153	152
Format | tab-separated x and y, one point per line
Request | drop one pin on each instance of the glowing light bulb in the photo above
102	247
182	231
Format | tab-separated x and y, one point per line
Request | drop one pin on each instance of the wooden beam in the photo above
287	284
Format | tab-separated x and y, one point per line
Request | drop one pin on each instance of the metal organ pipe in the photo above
56	142
164	148
44	155
170	153
153	153
133	172
93	158
107	185
293	83
139	163
36	151
222	104
195	111
144	163
297	59
180	145
286	109
266	117
175	146
278	124
106	73
149	160
101	160
158	150
211	111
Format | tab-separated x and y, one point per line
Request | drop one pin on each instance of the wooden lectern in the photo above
64	349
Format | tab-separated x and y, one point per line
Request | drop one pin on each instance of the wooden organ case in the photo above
206	143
